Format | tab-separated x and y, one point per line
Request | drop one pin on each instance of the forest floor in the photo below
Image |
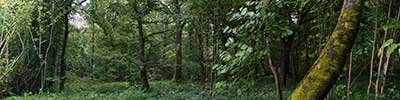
160	90
167	90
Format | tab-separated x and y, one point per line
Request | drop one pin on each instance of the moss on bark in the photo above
320	79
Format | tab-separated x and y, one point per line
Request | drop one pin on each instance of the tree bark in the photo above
142	66
285	62
178	49
63	66
276	78
275	74
385	67
203	73
178	54
378	77
322	76
348	86
371	66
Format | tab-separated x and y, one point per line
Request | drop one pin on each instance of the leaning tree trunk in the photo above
320	79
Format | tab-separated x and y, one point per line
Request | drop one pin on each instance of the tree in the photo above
142	66
138	13
200	52
63	66
178	47
320	79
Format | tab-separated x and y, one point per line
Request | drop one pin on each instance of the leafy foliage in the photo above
237	37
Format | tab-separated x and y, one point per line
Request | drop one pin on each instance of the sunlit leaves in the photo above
390	46
391	49
385	44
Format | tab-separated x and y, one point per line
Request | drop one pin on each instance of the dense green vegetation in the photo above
164	90
199	49
168	90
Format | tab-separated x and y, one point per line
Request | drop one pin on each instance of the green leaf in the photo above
244	12
227	57
399	52
391	49
239	54
380	52
394	25
386	27
387	43
244	47
226	29
384	45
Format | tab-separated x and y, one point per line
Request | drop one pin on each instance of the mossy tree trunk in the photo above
322	76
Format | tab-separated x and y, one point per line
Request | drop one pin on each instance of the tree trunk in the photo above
386	65
142	66
378	77
178	54
285	62
203	73
371	66
178	49
348	86
54	68
385	69
63	66
275	73
276	78
320	79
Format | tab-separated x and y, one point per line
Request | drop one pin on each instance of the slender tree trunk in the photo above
275	73
54	69
203	73
276	79
142	66
63	66
386	65
348	87
371	67
377	84
322	76
286	60
178	49
178	60
396	60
